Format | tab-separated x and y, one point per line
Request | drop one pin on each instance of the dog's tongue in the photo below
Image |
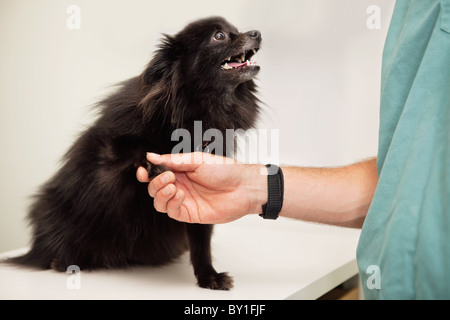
236	64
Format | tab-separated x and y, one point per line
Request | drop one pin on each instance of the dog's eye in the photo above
219	36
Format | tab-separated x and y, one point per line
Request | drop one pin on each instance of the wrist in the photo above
256	187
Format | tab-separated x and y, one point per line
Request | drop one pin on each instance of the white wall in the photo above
320	78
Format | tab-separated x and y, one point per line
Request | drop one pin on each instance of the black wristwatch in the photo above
275	190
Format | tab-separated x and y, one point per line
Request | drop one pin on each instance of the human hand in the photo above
204	188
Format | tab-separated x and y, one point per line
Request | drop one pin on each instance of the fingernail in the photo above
153	155
167	191
165	178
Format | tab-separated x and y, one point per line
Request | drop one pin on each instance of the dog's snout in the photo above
255	34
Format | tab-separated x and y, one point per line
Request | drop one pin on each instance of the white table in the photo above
269	260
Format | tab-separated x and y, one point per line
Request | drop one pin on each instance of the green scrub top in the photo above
404	249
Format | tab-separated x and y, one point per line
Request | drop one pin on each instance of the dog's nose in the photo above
255	34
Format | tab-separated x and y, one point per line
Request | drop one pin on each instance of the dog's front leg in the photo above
200	247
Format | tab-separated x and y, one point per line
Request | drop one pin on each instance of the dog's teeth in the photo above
228	59
254	51
226	67
242	57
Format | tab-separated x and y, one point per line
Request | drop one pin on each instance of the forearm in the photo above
336	196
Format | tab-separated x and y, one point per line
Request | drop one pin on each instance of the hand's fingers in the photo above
163	196
142	175
174	205
160	182
177	162
187	161
176	210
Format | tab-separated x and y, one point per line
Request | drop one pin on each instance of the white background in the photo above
319	79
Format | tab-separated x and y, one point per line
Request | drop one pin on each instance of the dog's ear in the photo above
161	66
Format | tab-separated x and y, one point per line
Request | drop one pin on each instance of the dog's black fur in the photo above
94	213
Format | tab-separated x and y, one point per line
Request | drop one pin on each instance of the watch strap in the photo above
275	190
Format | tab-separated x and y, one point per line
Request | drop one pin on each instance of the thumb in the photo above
177	162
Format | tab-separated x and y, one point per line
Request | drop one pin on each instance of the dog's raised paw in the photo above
216	281
154	170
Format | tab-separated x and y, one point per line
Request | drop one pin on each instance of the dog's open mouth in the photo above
239	61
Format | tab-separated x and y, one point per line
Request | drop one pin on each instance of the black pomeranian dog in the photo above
94	213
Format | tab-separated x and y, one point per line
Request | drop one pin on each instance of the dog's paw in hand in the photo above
154	170
216	281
